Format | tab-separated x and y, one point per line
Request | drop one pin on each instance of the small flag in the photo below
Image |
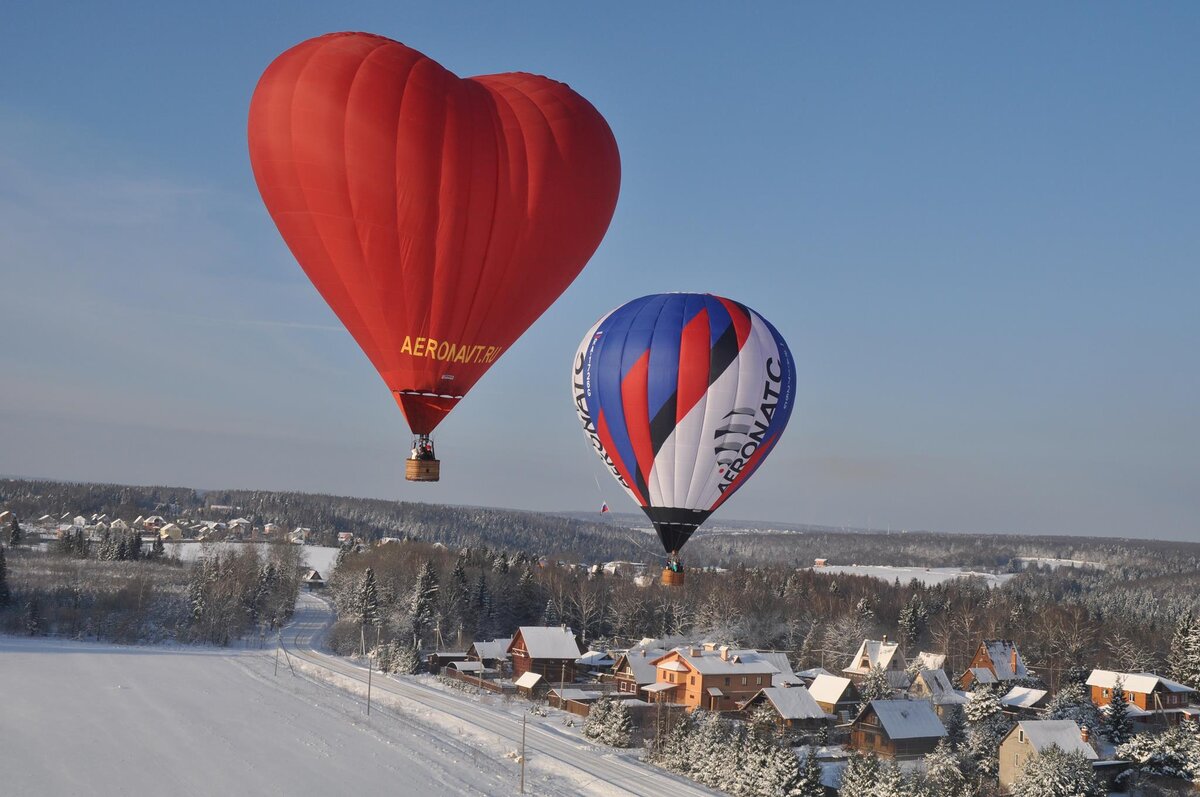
603	507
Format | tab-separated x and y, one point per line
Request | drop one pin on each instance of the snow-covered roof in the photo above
813	672
1063	734
940	690
792	703
733	662
828	688
873	653
673	666
548	642
641	663
983	675
492	649
907	719
930	661
595	658
1141	682
528	680
1023	697
1003	653
467	666
661	686
578	695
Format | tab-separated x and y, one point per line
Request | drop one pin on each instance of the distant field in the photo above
318	557
926	575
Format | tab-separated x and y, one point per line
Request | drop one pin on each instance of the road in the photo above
304	638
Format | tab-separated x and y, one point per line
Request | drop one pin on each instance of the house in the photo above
240	527
634	669
820	563
1024	701
896	728
550	651
808	676
79	521
493	654
595	660
170	532
153	522
312	579
531	684
300	535
882	654
1030	738
1149	695
345	537
785	676
793	706
718	679
6	517
444	658
929	661
835	695
271	530
118	525
999	659
935	686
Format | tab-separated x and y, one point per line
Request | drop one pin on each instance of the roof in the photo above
813	672
940	690
1023	697
642	666
529	680
982	675
907	719
492	649
1001	652
578	695
548	642
595	658
878	654
736	662
930	661
1141	682
467	666
661	686
674	666
792	703
715	691
828	688
1063	734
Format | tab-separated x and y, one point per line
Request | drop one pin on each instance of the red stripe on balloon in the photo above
748	467
693	364
610	448
741	320
635	401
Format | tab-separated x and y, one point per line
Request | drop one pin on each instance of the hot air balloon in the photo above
683	396
438	216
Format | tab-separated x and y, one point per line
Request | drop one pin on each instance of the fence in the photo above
482	683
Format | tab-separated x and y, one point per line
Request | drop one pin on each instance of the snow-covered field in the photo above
926	575
318	557
80	718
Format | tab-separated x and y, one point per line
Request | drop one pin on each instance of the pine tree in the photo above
1117	725
14	533
550	614
157	548
5	594
891	782
943	772
987	727
423	600
406	660
368	602
134	546
1184	657
1054	773
33	617
860	775
620	725
874	687
595	725
911	622
1073	702
956	731
808	780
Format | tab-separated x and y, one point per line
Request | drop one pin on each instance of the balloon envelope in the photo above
683	396
438	216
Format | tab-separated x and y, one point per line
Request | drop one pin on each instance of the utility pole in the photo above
277	646
368	686
524	719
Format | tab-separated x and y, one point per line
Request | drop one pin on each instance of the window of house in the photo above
693	679
744	680
727	682
1105	693
758	681
1021	737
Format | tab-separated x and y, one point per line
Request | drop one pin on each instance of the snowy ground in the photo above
94	719
926	575
317	557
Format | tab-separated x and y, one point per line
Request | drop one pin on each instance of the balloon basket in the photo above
422	470
672	578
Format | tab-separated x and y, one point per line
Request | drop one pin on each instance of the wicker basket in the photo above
422	470
672	578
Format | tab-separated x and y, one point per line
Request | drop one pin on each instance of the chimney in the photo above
1083	733
885	639
1013	658
724	653
643	653
695	651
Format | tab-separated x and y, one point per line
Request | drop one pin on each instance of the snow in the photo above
1022	697
908	719
318	557
549	642
199	721
492	649
1141	682
873	653
828	688
1063	734
929	576
793	702
710	662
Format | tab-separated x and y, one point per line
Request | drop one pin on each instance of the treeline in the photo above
114	591
1064	622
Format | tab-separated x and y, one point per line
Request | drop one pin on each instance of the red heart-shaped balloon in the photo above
438	216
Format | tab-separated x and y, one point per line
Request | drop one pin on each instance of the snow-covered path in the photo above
581	762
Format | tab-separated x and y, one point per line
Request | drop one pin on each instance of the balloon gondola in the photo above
438	216
682	396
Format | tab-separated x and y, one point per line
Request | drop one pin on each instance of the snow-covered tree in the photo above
1184	657
912	622
956	727
609	722
1173	754
860	775
1073	702
987	726
1054	773
368	599
891	782
33	617
5	594
405	659
1117	727
943	772
808	780
423	601
874	687
14	532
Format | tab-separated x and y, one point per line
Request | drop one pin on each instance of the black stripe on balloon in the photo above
663	423
724	352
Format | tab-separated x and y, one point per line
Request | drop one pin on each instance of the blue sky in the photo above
976	227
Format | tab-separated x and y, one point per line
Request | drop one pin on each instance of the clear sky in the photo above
975	225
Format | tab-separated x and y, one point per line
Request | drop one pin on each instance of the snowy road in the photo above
581	762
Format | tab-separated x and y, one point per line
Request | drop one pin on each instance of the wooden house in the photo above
492	653
793	706
995	661
549	651
897	729
835	695
886	656
634	670
1023	701
935	687
720	679
1149	695
1030	738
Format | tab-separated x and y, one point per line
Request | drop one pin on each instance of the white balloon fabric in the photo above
683	396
